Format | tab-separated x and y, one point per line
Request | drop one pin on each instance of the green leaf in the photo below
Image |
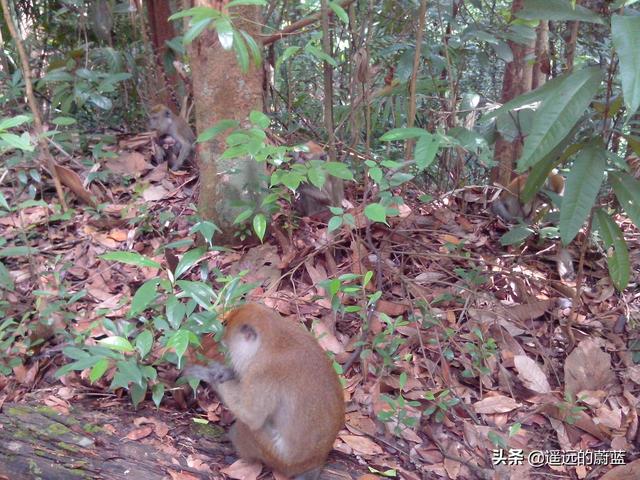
516	236
19	142
625	33
583	185
557	115
144	341
157	393
63	121
426	148
119	344
225	33
75	353
617	251
6	281
338	170
179	341
130	258
78	365
197	13
188	260
144	296
254	48
242	54
218	128
236	3
98	370
627	191
260	225
129	371
196	29
175	311
18	251
340	12
376	213
259	119
286	55
320	55
403	134
137	393
335	223
557	10
10	122
202	293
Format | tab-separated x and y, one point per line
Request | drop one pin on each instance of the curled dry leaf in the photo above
588	368
242	470
362	445
139	433
531	374
495	404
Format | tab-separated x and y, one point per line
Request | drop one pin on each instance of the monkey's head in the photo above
243	332
160	119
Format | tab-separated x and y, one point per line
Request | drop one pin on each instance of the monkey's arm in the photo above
213	374
251	402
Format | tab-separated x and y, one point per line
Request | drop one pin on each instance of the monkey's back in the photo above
310	404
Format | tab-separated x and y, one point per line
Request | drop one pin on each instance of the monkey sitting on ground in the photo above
281	387
165	122
509	205
312	200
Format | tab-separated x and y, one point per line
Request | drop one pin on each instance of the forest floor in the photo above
484	361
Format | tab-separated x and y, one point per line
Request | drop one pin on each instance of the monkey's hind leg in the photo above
244	442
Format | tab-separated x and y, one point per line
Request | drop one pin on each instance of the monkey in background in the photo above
282	388
165	122
313	200
509	205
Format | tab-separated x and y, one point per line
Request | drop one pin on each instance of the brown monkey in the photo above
313	200
281	387
509	205
165	122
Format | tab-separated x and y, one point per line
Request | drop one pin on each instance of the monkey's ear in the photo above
248	332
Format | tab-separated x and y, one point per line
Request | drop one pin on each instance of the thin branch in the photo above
411	116
50	163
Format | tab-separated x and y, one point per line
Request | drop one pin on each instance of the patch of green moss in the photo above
68	447
34	469
57	429
92	428
208	430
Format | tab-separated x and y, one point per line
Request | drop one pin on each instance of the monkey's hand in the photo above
213	374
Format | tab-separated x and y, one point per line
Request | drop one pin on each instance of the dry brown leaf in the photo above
529	311
182	475
139	433
630	471
154	193
73	181
128	163
326	338
24	375
588	368
362	445
393	309
242	470
496	404
531	374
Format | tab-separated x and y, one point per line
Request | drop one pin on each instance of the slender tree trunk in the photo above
542	67
517	80
222	91
161	31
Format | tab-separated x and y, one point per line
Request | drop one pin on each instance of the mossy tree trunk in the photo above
222	91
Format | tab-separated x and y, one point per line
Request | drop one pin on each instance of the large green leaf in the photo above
617	251
583	185
559	112
558	10
627	191
625	32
